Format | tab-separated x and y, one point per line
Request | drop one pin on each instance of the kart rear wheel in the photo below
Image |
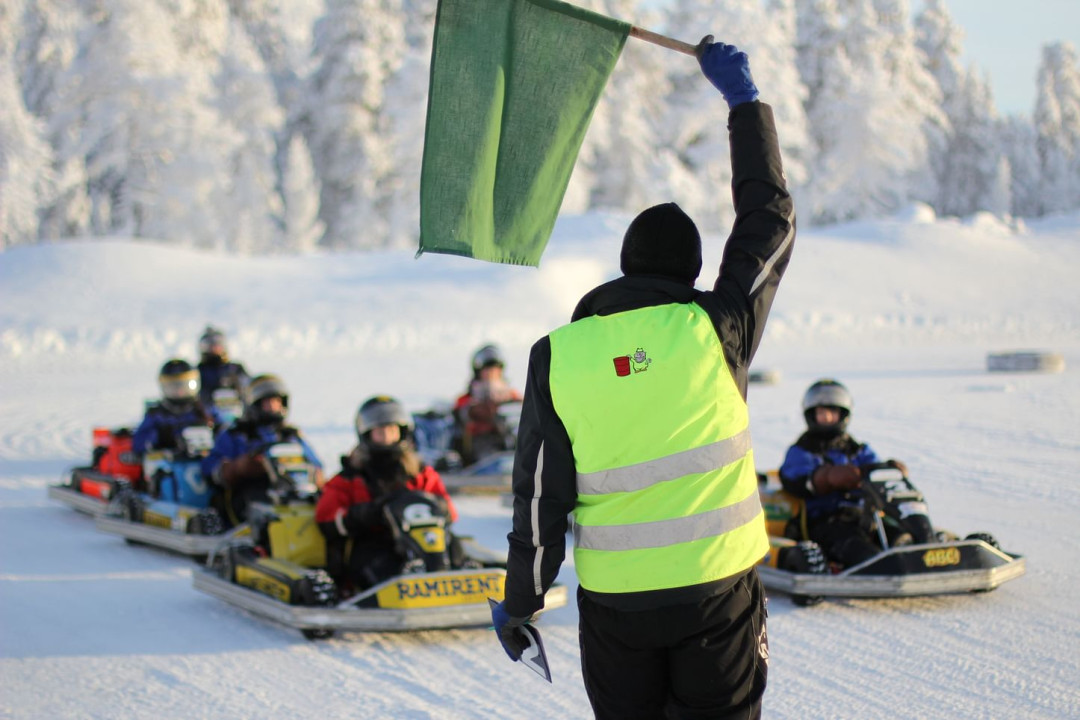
804	558
225	565
986	538
318	633
131	508
206	522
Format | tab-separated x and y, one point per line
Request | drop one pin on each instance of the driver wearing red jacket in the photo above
382	464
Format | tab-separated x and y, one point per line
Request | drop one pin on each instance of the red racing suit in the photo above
350	487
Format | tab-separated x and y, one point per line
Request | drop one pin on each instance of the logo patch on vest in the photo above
627	364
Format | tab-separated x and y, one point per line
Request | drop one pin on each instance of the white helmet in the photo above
827	393
383	410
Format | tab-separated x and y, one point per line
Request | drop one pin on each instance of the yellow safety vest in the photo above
667	488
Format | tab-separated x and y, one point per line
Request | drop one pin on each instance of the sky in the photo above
1005	38
902	310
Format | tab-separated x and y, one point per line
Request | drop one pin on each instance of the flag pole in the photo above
662	40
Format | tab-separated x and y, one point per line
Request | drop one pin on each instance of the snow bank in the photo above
888	282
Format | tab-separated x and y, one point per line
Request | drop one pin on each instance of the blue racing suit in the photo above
161	426
247	480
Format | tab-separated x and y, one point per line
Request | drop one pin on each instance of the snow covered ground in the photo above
903	311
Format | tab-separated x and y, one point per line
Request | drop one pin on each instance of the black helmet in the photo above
212	344
827	393
382	410
485	357
260	388
179	383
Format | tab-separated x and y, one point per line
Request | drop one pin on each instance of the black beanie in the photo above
662	240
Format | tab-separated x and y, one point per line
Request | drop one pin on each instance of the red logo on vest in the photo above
638	362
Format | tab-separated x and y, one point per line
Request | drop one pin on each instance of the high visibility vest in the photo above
667	488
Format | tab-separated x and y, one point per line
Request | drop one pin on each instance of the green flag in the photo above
513	86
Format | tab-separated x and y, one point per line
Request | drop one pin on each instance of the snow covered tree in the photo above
628	163
359	44
971	166
134	112
697	115
403	128
251	207
46	46
871	105
281	32
966	158
300	195
1019	142
1057	126
827	73
26	179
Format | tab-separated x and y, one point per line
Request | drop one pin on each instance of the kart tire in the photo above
318	633
206	522
986	538
225	565
130	507
1025	361
804	558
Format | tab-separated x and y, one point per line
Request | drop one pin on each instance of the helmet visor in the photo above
180	387
828	395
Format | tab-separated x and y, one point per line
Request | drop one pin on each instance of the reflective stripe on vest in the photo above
667	489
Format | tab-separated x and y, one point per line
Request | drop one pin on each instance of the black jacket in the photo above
755	256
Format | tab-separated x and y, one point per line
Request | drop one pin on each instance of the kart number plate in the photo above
198	438
434	590
941	557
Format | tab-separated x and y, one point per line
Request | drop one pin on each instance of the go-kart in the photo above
113	468
228	403
915	558
439	442
275	567
174	511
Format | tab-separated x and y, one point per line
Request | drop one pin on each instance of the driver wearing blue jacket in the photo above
164	422
237	464
825	468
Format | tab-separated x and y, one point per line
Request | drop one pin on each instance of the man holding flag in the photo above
635	419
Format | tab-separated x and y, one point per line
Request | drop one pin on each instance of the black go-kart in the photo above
915	557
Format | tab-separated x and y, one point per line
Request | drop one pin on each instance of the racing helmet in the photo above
212	344
827	393
382	410
260	388
485	357
179	383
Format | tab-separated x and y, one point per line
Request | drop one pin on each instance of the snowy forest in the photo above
256	126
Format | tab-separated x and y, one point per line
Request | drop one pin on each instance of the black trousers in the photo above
707	659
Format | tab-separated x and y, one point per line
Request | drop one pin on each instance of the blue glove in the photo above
728	70
508	628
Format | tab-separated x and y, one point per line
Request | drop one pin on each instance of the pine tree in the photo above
697	115
26	179
1019	140
1057	127
46	47
628	163
300	196
358	45
281	32
403	128
251	209
966	159
872	103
